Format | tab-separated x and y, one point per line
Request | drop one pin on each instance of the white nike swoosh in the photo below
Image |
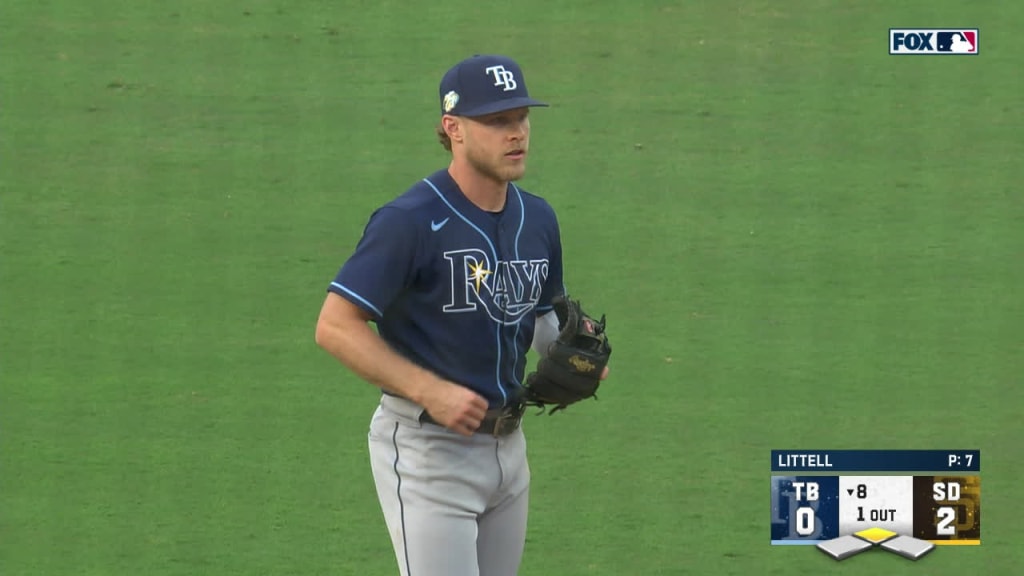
435	226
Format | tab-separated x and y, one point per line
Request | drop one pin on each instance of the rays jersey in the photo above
456	289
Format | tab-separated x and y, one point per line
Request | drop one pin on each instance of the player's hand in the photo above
457	408
604	373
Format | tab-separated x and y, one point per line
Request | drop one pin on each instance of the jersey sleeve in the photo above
554	284
383	263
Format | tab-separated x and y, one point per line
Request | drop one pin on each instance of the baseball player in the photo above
460	275
960	45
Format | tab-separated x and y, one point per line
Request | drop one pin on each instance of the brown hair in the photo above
442	137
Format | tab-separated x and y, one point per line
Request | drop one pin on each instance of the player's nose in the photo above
520	130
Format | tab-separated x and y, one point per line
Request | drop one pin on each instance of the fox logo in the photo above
933	41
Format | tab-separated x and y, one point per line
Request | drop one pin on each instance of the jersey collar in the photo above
447	186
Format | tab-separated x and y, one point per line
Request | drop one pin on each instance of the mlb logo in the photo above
940	41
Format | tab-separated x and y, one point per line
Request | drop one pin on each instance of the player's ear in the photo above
452	126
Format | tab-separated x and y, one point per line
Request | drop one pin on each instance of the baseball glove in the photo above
571	370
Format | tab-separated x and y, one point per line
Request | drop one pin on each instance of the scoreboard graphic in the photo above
848	501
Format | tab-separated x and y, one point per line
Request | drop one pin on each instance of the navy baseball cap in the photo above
484	84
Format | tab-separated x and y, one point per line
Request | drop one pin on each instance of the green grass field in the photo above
799	242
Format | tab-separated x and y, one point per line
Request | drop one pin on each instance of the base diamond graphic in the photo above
846	546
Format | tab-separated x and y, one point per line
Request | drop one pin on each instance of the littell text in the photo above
804	461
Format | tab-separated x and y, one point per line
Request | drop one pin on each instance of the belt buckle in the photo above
506	424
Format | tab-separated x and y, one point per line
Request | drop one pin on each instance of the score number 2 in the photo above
946	515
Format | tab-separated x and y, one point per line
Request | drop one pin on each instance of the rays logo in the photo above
506	290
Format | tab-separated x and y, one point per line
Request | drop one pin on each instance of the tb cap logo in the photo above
502	77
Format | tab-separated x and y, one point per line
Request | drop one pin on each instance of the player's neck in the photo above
486	193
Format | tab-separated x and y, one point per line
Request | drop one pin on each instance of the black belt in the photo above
497	422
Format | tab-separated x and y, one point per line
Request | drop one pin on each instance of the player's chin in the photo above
513	171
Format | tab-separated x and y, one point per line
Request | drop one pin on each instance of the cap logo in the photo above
502	77
450	100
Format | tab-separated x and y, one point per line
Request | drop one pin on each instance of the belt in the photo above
497	422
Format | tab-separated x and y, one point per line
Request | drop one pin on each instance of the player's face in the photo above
497	144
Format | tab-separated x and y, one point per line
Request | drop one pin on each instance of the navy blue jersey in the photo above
454	288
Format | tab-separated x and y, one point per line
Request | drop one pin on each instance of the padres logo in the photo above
581	364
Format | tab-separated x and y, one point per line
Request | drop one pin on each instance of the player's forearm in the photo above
359	348
544	333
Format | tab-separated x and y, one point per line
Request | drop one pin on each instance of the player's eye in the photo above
507	119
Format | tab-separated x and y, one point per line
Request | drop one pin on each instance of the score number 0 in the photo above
805	514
